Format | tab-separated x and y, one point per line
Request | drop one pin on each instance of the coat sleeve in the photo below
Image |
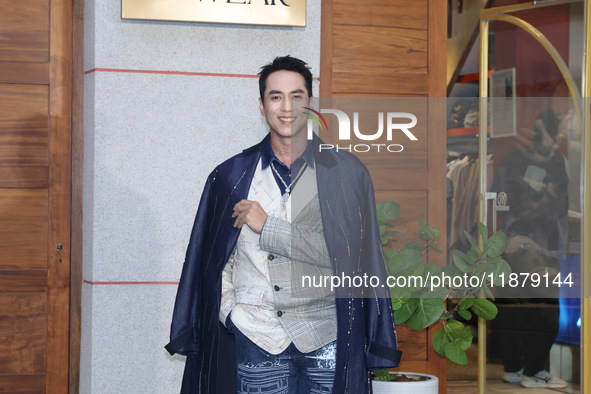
382	345
185	320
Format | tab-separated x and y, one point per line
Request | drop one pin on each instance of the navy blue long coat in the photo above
366	337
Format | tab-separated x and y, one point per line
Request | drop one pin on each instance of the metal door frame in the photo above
503	14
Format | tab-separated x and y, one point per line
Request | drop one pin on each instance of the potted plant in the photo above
386	382
424	291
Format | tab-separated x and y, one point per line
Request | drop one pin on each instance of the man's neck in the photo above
288	149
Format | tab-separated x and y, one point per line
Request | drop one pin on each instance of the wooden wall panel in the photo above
26	73
397	49
408	15
393	49
24	177
24	125
388	179
60	196
23	315
35	194
14	281
415	344
24	31
23	228
28	384
378	82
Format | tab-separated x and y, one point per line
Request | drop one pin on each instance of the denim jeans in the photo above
290	372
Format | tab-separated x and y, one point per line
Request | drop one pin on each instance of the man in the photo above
535	180
278	211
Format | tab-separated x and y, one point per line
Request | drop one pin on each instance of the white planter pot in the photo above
430	386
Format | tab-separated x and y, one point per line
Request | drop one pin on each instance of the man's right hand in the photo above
250	213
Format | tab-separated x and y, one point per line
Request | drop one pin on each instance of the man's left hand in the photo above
251	213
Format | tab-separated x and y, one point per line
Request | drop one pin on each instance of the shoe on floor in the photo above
543	379
513	377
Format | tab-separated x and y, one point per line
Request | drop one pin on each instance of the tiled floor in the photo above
500	387
464	379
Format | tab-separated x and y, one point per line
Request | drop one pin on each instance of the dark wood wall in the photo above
35	189
397	48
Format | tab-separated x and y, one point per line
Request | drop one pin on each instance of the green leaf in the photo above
435	248
432	269
428	233
488	292
457	332
485	308
439	341
455	353
496	245
465	314
413	279
400	293
451	271
460	261
494	260
398	302
496	270
437	292
387	211
418	270
427	312
389	254
466	303
430	277
472	256
484	269
383	375
403	261
472	241
413	245
406	310
483	230
473	292
383	228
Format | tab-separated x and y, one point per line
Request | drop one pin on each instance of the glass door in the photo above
531	160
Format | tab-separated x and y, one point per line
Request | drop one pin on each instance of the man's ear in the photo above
262	106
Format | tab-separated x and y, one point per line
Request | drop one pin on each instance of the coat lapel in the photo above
235	189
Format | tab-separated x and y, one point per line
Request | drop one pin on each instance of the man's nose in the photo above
286	104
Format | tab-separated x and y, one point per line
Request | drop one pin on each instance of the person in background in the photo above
535	180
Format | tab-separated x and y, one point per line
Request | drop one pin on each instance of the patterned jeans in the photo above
290	372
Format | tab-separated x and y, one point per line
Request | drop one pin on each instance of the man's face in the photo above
283	102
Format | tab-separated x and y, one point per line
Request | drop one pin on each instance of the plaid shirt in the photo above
262	281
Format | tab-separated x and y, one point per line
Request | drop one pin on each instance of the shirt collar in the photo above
267	155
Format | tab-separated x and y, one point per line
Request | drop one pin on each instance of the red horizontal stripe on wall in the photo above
129	283
120	70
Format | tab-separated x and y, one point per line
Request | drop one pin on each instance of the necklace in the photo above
293	182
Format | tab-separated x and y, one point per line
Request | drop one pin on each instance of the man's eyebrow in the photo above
280	92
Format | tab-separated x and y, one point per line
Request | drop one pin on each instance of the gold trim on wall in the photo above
247	12
586	251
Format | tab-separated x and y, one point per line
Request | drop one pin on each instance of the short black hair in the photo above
287	63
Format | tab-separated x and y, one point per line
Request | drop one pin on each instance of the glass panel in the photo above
534	169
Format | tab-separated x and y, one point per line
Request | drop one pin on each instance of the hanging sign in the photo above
249	12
